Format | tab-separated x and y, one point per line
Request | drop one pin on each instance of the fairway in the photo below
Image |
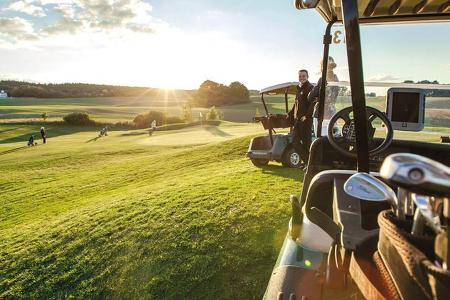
180	214
119	109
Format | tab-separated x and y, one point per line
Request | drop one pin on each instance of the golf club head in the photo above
427	208
366	187
417	174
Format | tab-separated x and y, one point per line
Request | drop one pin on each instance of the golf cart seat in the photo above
274	121
320	228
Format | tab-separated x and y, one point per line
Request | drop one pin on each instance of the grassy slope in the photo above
124	217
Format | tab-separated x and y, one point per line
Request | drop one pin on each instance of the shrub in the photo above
78	118
213	114
145	120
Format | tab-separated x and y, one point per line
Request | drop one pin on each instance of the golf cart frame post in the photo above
353	44
267	111
354	56
323	85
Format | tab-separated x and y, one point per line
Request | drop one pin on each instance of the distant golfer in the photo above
152	127
31	141
43	135
301	116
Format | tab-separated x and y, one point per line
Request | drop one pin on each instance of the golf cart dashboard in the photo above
325	157
405	108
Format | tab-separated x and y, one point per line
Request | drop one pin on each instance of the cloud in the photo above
133	15
68	22
384	77
92	19
27	7
139	28
46	2
65	25
17	29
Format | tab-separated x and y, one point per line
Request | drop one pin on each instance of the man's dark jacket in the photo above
302	107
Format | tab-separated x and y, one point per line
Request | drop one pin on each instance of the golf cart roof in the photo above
289	87
383	11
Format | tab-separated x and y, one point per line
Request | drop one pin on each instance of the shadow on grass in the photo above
13	150
6	130
135	133
52	131
291	173
216	131
94	139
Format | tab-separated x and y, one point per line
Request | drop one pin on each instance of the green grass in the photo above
180	214
133	216
113	109
126	108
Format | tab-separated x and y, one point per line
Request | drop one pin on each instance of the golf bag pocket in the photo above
409	260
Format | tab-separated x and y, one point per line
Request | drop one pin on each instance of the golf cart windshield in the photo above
389	62
278	99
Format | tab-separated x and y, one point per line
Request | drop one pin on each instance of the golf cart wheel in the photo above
291	158
259	162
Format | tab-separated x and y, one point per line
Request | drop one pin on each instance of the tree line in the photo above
431	93
70	90
209	93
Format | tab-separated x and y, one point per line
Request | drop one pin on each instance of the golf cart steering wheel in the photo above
344	140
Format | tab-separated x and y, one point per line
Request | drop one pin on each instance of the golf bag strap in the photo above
386	279
362	281
326	223
406	263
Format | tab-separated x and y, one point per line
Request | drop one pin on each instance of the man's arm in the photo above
314	93
312	99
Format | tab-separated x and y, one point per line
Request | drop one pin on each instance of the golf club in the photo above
427	213
366	187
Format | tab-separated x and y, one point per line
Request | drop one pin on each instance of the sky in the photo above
181	43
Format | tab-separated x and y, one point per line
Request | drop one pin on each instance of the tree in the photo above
238	92
44	116
211	93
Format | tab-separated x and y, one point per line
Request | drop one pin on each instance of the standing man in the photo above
301	116
43	135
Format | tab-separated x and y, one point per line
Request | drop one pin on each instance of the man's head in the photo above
303	76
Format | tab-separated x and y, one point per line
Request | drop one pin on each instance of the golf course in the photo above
177	214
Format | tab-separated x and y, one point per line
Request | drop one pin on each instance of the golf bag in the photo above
409	260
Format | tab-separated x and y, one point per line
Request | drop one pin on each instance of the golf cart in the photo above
372	220
275	146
